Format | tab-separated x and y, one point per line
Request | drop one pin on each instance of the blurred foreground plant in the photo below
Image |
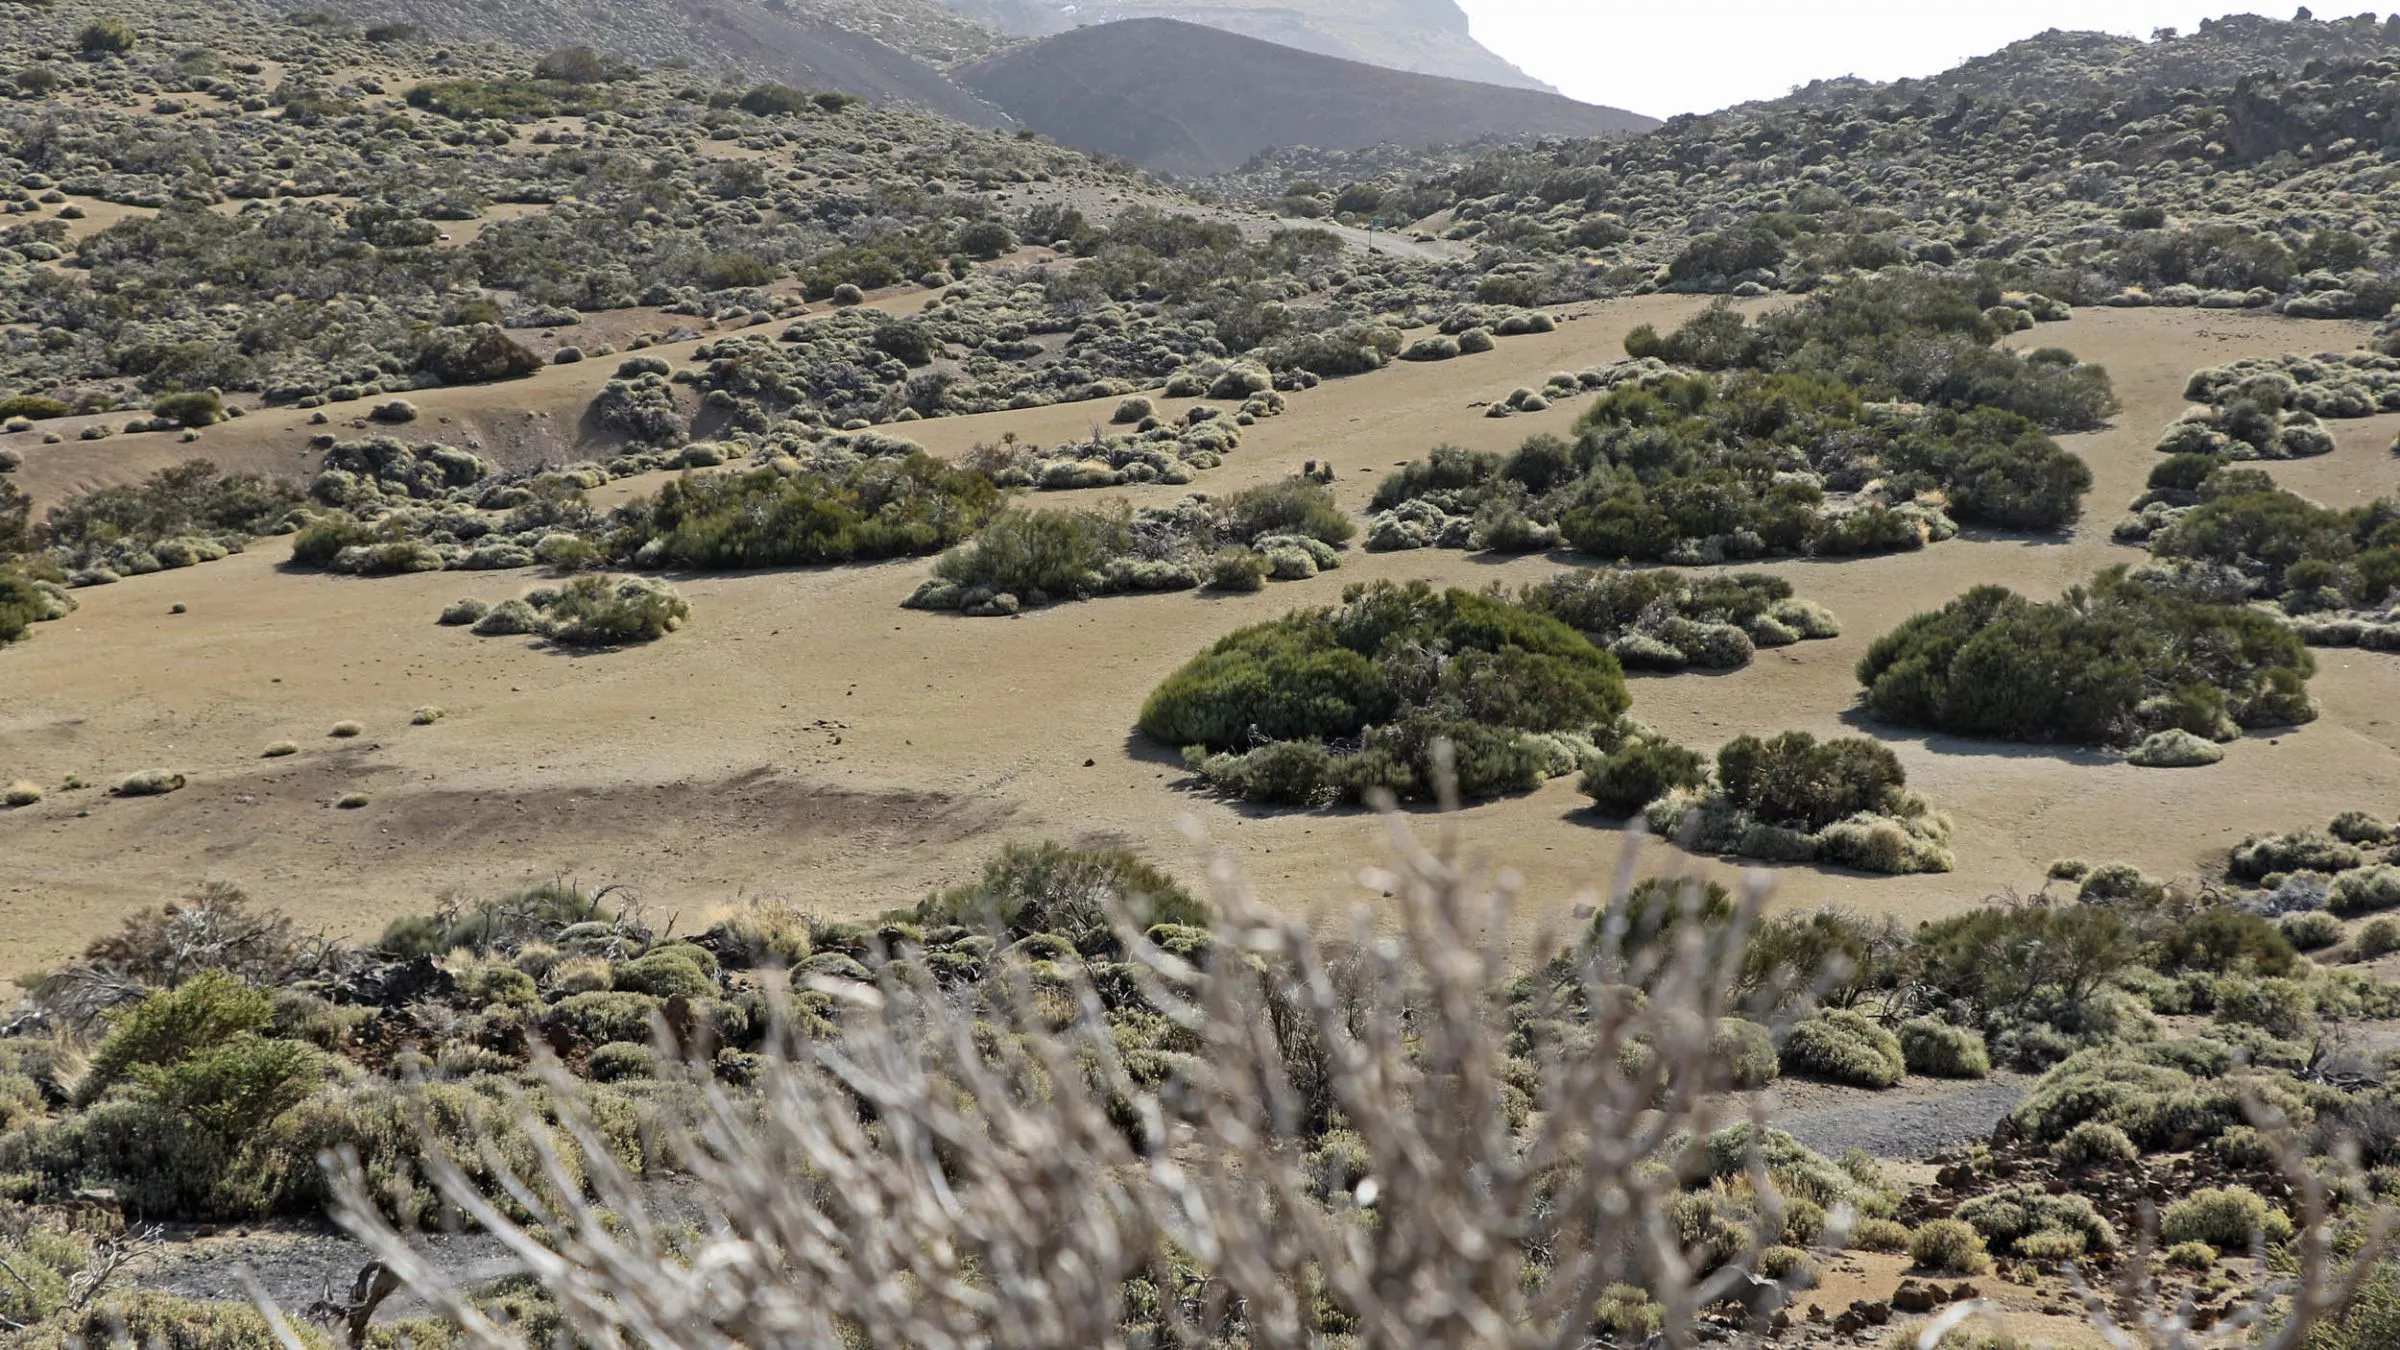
978	1167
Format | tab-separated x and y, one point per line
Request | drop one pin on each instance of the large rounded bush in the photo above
2105	664
1395	669
1846	1047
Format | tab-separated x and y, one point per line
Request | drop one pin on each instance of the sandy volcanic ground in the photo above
806	738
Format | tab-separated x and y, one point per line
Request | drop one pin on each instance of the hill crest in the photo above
1184	98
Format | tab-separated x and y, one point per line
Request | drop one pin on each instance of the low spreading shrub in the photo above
2230	1218
1948	1247
881	507
1653	618
2095	1144
1844	1047
1940	1050
2006	1217
1049	888
148	783
595	611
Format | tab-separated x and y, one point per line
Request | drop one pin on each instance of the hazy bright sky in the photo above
1701	55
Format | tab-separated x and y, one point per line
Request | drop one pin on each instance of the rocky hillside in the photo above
1181	98
1428	37
885	50
2062	66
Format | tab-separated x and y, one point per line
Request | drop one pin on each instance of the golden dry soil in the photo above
806	738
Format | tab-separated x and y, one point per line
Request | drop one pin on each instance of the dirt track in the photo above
807	738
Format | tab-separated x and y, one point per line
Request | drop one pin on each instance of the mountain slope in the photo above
1182	98
2061	65
1426	37
879	49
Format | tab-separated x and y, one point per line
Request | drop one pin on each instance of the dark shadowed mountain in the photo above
1181	98
1427	37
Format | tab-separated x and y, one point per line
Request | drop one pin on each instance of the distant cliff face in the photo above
1428	37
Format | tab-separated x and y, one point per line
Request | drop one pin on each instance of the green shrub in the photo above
1627	1314
474	354
1236	571
103	37
1845	1047
881	508
1948	1247
21	607
1050	888
2311	930
2224	940
2365	890
148	1318
2357	827
1940	1050
2051	1246
597	611
620	1060
1058	555
33	407
190	501
411	935
1321	675
193	408
2095	1144
1638	772
1747	1050
664	974
1880	1235
321	539
2301	851
1894	335
2226	1218
2103	665
2378	937
2004	961
1789	1266
1798	781
1666	468
774	100
207	1011
603	1016
475	100
1292	506
2006	1216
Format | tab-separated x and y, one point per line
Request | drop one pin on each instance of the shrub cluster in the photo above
1896	336
1656	619
176	517
1288	531
783	515
1700	468
1325	705
1845	1047
2106	664
1789	798
589	611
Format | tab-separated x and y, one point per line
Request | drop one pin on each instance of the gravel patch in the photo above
1920	1118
